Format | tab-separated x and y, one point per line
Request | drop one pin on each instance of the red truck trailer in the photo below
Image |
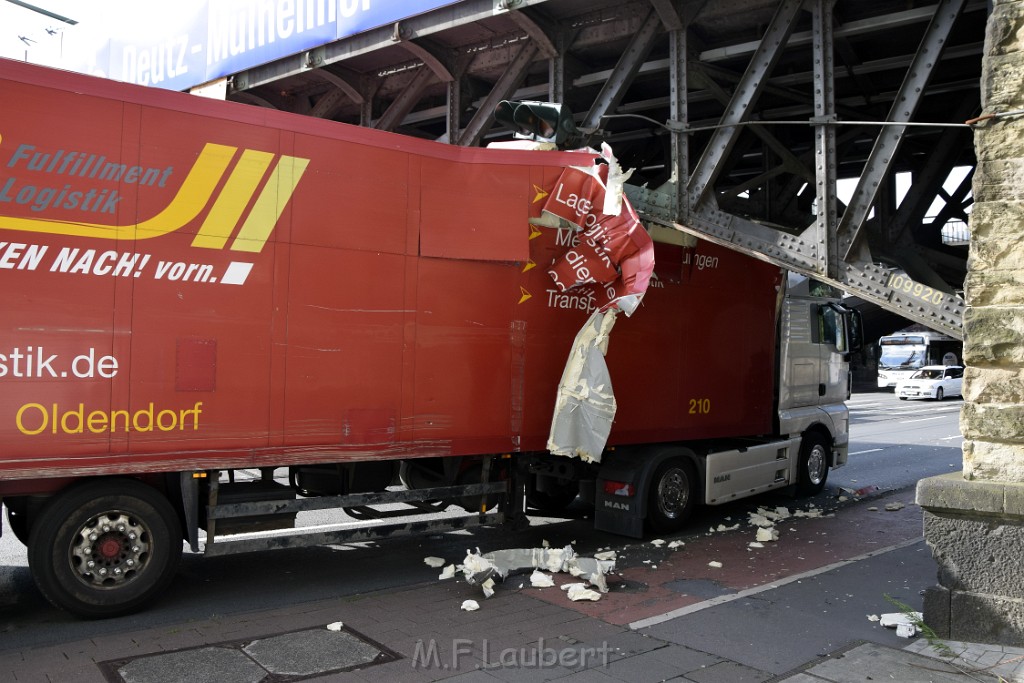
194	288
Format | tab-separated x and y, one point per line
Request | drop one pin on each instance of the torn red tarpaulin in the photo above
614	255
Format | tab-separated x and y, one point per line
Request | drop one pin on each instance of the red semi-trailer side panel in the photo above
198	284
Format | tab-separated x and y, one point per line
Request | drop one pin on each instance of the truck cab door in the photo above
838	337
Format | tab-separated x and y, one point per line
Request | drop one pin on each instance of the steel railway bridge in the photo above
829	137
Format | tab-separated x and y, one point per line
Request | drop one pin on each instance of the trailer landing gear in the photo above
105	548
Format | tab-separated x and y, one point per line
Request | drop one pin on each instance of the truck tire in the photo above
813	472
672	493
105	548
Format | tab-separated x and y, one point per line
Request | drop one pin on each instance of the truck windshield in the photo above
905	357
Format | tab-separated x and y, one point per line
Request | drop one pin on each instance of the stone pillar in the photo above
974	521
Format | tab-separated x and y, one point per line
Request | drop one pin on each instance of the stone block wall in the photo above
974	522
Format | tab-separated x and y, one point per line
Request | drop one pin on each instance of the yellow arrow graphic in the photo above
535	232
530	265
539	194
525	295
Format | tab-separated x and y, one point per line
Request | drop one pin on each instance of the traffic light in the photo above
543	121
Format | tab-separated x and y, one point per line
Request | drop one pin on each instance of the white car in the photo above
932	381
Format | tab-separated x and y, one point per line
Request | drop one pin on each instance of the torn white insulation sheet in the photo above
585	404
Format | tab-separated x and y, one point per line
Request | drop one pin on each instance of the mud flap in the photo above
615	510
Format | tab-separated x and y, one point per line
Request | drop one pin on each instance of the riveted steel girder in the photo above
629	63
765	58
824	138
884	151
408	98
505	86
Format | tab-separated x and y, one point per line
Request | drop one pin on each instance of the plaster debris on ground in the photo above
716	564
336	626
579	591
658	542
893	507
539	579
767	534
480	568
434	562
470	605
904	623
447	573
673	545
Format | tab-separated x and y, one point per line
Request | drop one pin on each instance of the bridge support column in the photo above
974	521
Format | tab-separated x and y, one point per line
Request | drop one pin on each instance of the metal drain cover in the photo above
277	658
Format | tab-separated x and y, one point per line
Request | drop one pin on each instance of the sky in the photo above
41	46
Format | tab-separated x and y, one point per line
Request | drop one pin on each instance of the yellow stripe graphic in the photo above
192	197
270	204
237	192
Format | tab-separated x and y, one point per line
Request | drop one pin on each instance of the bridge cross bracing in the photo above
825	136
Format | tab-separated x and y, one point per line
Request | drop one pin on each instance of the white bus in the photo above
902	353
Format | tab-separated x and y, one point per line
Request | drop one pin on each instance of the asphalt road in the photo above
893	445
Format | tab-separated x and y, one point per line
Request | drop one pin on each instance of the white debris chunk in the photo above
544	543
658	542
470	605
592	570
447	573
843	499
673	545
647	561
872	509
539	579
336	626
873	617
757	519
755	544
715	564
767	534
434	562
478	569
577	592
610	554
894	619
488	587
813	514
782	512
906	630
893	507
475	565
722	527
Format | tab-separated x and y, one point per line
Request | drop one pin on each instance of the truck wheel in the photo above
673	489
813	465
105	548
559	495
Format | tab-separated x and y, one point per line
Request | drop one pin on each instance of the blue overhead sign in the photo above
183	44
